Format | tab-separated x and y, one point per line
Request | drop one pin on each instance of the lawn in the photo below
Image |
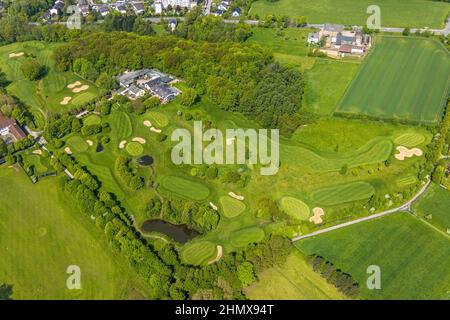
435	202
402	78
42	236
231	207
295	208
198	252
294	280
414	259
337	194
185	188
394	13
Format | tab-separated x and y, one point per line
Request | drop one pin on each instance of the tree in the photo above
5	292
3	80
246	274
3	148
189	97
406	31
32	70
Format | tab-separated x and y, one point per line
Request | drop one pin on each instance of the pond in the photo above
179	233
145	161
99	147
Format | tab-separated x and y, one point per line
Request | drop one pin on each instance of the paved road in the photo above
405	207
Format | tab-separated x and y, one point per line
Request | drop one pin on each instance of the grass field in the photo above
244	237
231	207
402	78
406	180
435	202
185	188
92	119
77	144
158	119
414	259
42	236
350	192
410	139
120	125
134	148
394	13
198	252
295	280
295	208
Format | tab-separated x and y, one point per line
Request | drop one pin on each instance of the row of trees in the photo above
127	174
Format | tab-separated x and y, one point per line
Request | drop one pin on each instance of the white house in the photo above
313	38
236	13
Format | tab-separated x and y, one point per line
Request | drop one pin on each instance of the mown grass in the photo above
120	125
410	139
185	188
231	207
295	208
414	259
337	194
198	252
244	237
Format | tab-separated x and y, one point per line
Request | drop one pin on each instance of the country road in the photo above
405	207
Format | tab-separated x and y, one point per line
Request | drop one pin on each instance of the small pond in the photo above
145	161
99	147
179	233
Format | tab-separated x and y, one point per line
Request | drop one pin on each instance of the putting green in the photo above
409	139
134	148
185	188
343	193
231	207
295	208
77	144
92	119
244	237
198	252
158	119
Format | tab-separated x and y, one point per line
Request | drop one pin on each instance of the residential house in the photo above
83	5
10	131
138	7
218	13
313	38
172	24
120	7
236	13
58	8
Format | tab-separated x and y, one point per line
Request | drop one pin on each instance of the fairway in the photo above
42	236
158	119
414	259
185	188
394	13
197	252
409	139
92	119
231	207
120	125
295	208
338	194
77	144
402	78
244	237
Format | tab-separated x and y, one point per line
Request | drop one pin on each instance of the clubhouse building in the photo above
10	131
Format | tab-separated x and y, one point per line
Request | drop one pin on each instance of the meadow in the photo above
47	94
414	259
294	280
394	13
402	78
434	207
45	234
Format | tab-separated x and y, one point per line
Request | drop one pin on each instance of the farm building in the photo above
10	131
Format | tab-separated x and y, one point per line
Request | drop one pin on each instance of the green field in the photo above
350	192
402	78
231	207
244	237
158	119
134	148
92	119
394	13
409	140
185	188
435	202
294	280
77	144
42	236
414	259
198	252
295	208
120	125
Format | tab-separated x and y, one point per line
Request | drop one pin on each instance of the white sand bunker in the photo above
65	101
213	206
79	89
218	255
317	216
407	153
147	123
235	196
67	150
122	144
90	142
155	130
15	55
73	85
38	152
139	139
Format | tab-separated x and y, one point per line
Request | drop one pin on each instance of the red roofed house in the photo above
9	130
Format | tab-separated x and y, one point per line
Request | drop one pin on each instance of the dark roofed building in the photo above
345	48
9	130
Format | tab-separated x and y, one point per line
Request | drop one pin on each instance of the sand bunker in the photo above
67	150
213	206
15	55
317	217
38	152
65	101
407	153
147	123
90	142
73	85
79	89
139	139
218	256
155	130
122	144
235	196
